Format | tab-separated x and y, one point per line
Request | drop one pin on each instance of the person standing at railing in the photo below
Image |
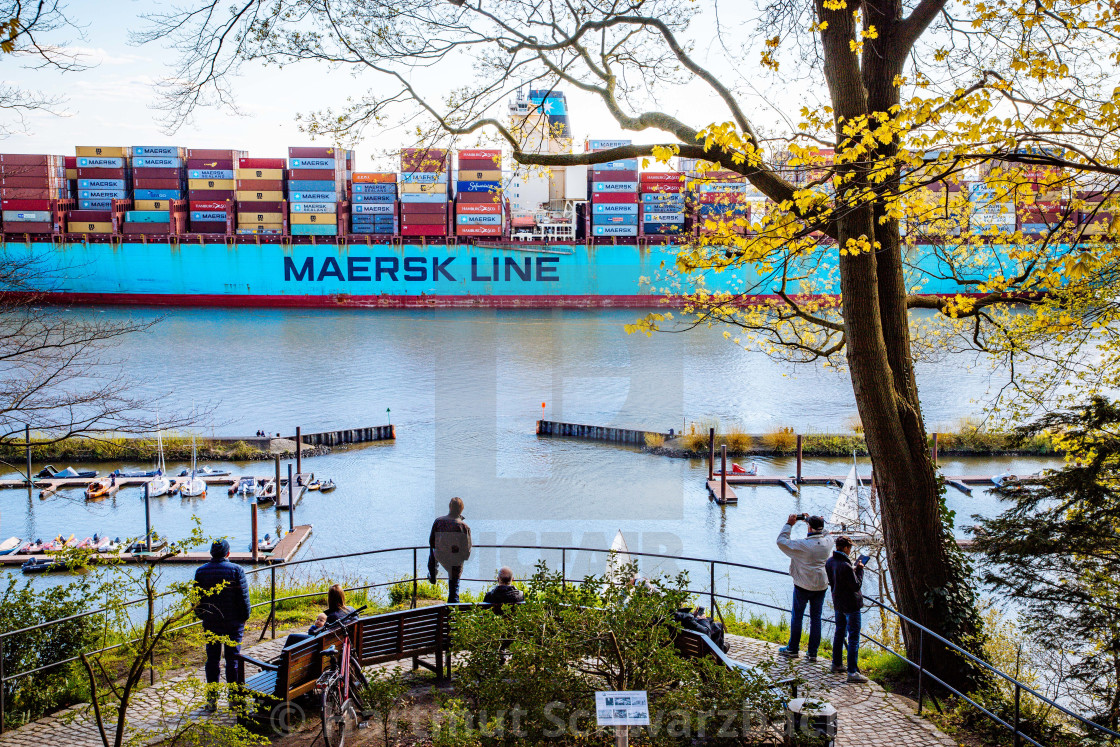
449	545
806	568
846	580
223	608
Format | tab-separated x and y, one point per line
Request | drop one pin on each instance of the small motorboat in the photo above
267	494
268	543
42	565
71	472
102	488
72	542
100	544
34	547
86	543
109	545
9	546
23	549
134	473
57	544
326	486
1005	479
314	484
211	472
140	546
246	486
739	469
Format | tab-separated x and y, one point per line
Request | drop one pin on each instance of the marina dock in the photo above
282	553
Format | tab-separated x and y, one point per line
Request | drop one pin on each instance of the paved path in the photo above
868	716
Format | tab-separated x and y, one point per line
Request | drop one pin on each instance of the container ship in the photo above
158	225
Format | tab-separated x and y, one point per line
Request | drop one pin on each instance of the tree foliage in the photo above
1055	552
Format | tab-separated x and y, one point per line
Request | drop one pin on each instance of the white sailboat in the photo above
193	485
160	484
854	513
618	558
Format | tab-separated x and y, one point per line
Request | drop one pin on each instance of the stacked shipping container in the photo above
157	179
720	202
30	188
315	180
211	188
662	203
425	191
260	195
373	206
613	189
478	199
102	177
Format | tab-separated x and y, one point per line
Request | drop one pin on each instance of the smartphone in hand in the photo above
863	559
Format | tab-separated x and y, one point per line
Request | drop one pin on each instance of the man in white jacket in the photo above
810	582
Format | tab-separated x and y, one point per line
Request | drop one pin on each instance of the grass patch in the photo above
654	440
118	448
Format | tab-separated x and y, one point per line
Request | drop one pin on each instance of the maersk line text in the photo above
417	269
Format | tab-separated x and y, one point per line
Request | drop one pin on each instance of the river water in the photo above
464	389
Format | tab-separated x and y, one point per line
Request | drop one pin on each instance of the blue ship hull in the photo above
214	273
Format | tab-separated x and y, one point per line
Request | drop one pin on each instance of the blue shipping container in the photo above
372	209
424	197
311	163
478	220
312	185
101	163
663	229
210	174
147	216
155	150
615	208
314	229
375	189
605	144
313	196
95	204
663	197
157	162
614	220
157	194
313	207
369	228
380	220
102	194
208	215
424	177
613	187
473	186
626	164
370	199
614	230
101	184
663	217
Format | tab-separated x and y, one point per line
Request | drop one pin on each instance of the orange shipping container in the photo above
368	177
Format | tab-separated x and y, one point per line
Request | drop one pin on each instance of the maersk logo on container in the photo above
161	162
369	199
209	215
101	194
622	208
155	150
95	204
668	198
417	270
101	184
312	163
210	174
424	177
102	163
478	220
382	208
313	207
314	196
614	230
375	189
605	144
614	187
663	218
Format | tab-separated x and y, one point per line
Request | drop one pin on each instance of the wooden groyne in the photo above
349	436
595	432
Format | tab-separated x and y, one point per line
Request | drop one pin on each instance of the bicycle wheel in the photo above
339	719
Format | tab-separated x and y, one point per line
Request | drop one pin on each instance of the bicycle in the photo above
340	687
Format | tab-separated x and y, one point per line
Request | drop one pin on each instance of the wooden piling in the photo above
27	443
299	448
935	449
254	546
711	452
276	459
799	458
723	473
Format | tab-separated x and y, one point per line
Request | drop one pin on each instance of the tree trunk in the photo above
931	582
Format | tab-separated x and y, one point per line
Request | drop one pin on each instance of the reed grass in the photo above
176	447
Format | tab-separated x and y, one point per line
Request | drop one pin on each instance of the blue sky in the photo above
112	103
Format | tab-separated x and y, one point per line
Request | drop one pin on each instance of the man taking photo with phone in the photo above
846	580
806	568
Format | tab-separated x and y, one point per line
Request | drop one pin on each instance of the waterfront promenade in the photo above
868	715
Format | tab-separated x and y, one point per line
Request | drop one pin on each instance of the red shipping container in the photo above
71	162
425	160
88	173
423	208
222	164
209	154
29	159
26	204
260	185
479	153
719	198
28	193
480	198
614	175
312	152
210	194
40	171
28	227
424	230
478	230
32	181
615	197
156	172
143	182
262	163
661	177
207	226
408	219
316	174
478	164
90	216
210	205
147	228
661	188
267	206
477	208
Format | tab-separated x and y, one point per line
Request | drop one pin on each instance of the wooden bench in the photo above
693	644
407	634
292	674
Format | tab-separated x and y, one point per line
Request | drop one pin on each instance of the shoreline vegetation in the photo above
966	440
176	447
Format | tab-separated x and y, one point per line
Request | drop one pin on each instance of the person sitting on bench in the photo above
505	592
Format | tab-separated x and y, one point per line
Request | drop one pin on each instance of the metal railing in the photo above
1019	688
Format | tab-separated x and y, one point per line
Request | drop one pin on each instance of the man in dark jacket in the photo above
846	580
505	592
223	608
449	544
